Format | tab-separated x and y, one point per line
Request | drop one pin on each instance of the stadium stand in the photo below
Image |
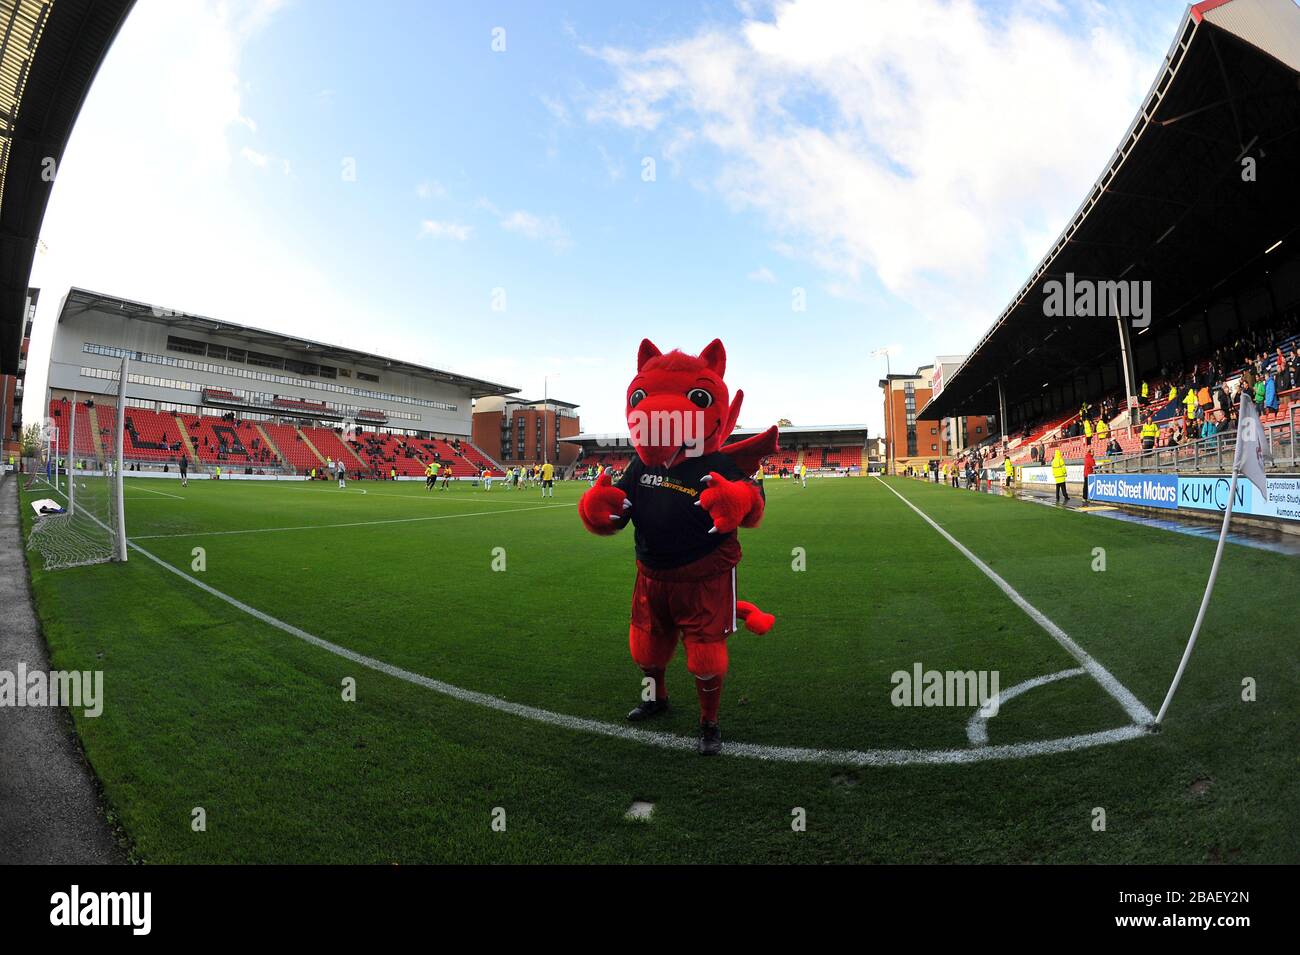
409	456
332	447
86	444
1213	247
293	450
151	436
478	459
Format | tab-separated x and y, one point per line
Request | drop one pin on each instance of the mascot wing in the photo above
749	453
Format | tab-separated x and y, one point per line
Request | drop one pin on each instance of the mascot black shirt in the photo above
670	530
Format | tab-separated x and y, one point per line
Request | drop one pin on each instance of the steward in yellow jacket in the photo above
1058	477
1150	432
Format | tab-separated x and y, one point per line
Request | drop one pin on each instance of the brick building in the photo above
514	431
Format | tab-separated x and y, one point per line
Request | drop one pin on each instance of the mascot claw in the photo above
731	504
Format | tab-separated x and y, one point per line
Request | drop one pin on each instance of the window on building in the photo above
187	346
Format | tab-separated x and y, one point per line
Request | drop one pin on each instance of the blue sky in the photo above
896	167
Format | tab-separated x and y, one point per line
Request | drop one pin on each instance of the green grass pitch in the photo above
207	706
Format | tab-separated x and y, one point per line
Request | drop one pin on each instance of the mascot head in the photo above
678	406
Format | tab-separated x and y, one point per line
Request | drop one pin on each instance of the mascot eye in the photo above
699	397
634	399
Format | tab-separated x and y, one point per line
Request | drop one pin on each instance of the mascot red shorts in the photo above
702	610
674	604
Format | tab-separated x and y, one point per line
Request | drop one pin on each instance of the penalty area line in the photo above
321	527
1134	707
783	754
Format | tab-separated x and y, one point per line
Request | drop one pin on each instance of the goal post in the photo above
84	520
71	460
49	463
119	437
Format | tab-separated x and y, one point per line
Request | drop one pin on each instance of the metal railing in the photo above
1215	453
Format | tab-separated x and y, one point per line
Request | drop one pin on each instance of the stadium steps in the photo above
311	447
98	437
355	457
275	449
496	465
186	443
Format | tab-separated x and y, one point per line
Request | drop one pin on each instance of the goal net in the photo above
77	493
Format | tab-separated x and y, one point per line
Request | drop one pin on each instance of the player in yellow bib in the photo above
548	479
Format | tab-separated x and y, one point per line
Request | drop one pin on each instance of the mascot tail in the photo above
756	621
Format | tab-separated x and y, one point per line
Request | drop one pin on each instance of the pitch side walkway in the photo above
49	805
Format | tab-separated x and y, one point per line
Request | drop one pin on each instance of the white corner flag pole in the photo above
1248	436
1205	601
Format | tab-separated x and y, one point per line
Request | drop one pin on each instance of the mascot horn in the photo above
686	493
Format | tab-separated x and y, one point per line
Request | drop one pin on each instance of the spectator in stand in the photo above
1150	432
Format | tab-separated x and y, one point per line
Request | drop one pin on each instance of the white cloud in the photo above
456	231
559	112
431	189
613	168
763	275
264	161
926	142
149	204
538	228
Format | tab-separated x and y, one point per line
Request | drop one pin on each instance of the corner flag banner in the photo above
1248	461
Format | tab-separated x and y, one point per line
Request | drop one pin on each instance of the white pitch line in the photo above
432	495
137	487
319	527
1132	705
786	754
977	728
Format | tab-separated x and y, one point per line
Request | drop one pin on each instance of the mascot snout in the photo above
666	428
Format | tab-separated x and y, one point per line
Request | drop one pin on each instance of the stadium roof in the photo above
82	300
1171	207
50	51
543	401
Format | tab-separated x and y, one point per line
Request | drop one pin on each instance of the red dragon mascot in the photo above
686	492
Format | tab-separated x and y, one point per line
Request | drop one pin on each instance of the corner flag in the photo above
1248	461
